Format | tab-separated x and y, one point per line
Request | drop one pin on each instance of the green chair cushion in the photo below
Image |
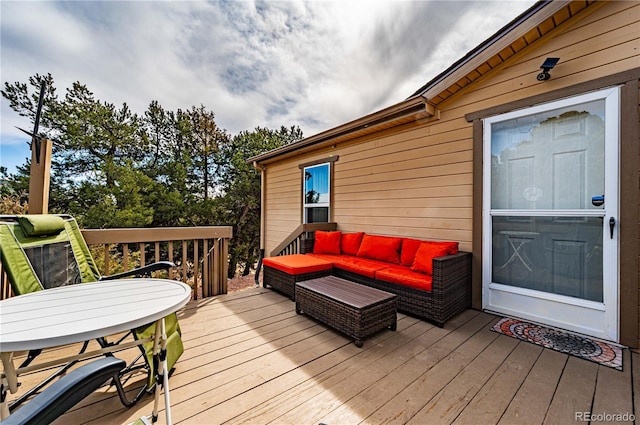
41	225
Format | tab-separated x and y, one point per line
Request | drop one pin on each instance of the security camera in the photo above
543	76
548	65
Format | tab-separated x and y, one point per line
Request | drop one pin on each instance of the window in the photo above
317	190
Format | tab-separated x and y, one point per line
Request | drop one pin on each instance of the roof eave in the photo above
415	107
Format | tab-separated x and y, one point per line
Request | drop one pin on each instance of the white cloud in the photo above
313	64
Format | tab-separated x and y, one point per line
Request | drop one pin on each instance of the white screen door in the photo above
550	239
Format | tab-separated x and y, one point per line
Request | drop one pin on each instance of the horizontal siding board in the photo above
406	183
422	232
446	202
449	167
417	194
419	157
406	211
363	175
444	224
424	134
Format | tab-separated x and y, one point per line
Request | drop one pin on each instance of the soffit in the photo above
541	19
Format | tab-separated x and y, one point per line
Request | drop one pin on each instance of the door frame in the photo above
629	151
598	319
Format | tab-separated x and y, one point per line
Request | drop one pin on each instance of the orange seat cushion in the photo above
296	264
362	266
405	276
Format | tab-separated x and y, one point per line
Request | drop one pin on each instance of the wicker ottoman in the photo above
353	309
282	272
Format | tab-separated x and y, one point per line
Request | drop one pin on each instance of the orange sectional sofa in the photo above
432	279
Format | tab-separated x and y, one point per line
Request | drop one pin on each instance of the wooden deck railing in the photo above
292	244
200	254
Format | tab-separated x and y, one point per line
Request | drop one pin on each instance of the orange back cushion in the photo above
327	242
427	251
350	243
381	248
409	249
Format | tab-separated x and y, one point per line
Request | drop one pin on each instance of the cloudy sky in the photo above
315	64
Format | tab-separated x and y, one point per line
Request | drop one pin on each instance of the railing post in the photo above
40	177
216	283
205	269
196	269
224	264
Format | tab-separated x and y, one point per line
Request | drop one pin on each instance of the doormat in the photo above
604	353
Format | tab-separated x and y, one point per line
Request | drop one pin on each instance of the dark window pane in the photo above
318	215
560	255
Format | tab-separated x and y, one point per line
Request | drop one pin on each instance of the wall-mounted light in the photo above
548	64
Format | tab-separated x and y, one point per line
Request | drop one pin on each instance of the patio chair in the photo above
66	392
40	252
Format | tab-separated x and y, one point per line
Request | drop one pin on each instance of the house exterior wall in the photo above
391	184
418	179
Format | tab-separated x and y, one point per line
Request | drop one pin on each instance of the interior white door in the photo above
550	240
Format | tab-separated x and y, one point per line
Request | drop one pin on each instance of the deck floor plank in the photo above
354	380
339	403
613	398
405	405
532	400
379	346
456	395
249	359
489	404
365	403
574	392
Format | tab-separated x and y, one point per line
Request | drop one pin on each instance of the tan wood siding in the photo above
418	169
283	194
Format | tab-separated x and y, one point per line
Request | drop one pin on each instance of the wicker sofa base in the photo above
450	294
284	282
346	306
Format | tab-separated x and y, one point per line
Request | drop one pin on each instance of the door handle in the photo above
612	224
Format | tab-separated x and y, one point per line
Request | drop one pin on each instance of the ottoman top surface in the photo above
297	263
346	292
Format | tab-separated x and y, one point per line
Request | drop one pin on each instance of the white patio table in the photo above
77	313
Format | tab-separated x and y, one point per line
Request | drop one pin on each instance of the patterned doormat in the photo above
604	353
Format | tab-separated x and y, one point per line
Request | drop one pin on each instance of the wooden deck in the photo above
250	359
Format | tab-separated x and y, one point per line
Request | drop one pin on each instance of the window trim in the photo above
318	162
306	206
